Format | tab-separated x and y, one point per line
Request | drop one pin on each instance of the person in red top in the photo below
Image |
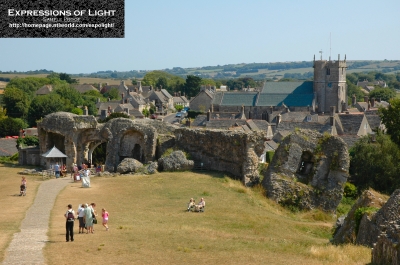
104	214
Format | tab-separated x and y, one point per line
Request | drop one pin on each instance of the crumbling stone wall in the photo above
146	140
346	233
386	224
308	171
234	152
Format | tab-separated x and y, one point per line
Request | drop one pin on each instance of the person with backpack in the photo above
69	225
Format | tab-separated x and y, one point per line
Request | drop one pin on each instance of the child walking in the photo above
104	214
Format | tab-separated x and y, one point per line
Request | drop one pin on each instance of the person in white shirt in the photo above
81	214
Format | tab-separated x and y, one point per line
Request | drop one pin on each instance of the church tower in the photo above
330	84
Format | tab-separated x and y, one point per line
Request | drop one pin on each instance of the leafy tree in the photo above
29	84
77	111
44	105
391	119
67	78
206	81
162	82
170	82
71	97
113	116
192	86
152	109
354	90
11	126
28	141
113	93
178	107
383	93
3	113
94	93
351	79
146	112
375	163
16	102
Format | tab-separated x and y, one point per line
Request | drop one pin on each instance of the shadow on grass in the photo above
216	174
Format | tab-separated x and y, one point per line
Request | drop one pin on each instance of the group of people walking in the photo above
87	216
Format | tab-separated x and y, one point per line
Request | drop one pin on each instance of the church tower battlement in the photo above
330	84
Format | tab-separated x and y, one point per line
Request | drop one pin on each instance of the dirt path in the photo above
26	246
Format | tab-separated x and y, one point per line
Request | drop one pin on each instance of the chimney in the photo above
332	120
122	83
369	105
353	100
344	106
126	110
139	84
333	109
278	119
365	98
98	100
85	111
208	115
122	95
269	117
372	102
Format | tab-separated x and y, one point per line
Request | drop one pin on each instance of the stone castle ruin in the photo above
308	171
146	140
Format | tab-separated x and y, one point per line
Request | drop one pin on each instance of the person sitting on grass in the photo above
200	207
191	204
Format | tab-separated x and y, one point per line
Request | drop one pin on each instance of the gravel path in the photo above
26	246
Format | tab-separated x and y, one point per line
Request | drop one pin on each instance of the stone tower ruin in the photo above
330	84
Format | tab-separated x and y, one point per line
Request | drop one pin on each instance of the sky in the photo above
178	33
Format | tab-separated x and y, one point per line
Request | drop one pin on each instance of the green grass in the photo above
149	225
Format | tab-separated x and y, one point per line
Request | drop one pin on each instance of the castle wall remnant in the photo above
234	152
308	171
146	140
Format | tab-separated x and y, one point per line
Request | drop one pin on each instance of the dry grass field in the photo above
13	206
149	225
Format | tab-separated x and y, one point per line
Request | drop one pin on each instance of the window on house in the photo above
328	71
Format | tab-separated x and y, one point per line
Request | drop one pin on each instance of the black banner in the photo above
62	19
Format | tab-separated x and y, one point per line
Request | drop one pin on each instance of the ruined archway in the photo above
98	153
131	145
305	168
55	139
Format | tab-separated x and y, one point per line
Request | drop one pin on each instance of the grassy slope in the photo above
149	225
13	207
